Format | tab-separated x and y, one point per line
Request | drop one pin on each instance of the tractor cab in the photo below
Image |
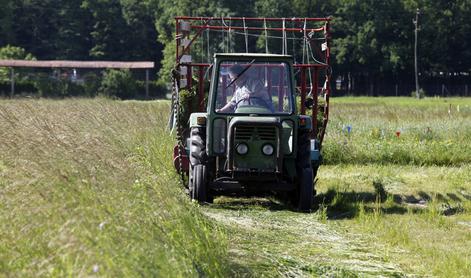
253	113
257	84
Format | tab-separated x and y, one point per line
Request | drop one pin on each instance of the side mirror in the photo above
308	103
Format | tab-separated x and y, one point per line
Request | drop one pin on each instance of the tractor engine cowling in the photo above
254	145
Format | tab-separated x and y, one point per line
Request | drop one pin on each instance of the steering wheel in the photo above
265	103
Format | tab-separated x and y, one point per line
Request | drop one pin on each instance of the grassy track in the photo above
87	188
422	215
270	240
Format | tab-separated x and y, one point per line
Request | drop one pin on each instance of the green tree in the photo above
445	35
118	83
7	35
372	39
12	52
109	30
122	30
74	27
139	16
35	26
165	11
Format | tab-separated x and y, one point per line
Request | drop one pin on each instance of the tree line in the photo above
372	40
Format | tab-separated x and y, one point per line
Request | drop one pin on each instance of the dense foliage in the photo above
373	40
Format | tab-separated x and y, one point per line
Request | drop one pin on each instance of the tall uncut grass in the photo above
87	188
433	131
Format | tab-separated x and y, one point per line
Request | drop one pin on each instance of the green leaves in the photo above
371	39
12	52
118	83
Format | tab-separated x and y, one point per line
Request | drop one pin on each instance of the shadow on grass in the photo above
344	204
453	197
249	203
349	204
239	270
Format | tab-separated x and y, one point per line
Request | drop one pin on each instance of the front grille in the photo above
267	133
244	132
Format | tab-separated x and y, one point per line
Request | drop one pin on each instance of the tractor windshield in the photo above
254	87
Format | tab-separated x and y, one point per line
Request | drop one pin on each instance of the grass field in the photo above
411	193
431	131
87	188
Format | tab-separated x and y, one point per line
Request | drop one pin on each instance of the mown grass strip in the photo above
417	217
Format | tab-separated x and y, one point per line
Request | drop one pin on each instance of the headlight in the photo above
242	149
267	149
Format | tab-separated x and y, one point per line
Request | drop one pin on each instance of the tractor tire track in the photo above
289	244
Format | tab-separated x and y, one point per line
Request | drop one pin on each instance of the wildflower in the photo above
348	129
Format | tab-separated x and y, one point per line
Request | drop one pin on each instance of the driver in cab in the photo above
248	90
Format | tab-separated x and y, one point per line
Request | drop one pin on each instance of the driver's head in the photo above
235	71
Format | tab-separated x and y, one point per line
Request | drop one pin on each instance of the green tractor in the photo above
251	137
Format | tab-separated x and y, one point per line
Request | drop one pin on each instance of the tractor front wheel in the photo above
305	190
303	196
198	183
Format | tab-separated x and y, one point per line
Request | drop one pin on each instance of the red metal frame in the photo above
292	19
317	69
314	90
255	28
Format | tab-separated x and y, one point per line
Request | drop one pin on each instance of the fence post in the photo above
396	89
147	83
466	90
12	72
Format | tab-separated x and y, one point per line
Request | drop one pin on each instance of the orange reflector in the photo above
302	121
201	120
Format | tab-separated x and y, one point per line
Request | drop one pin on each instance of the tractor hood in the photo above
254	120
255	133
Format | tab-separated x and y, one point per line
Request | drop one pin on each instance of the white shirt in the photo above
251	88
